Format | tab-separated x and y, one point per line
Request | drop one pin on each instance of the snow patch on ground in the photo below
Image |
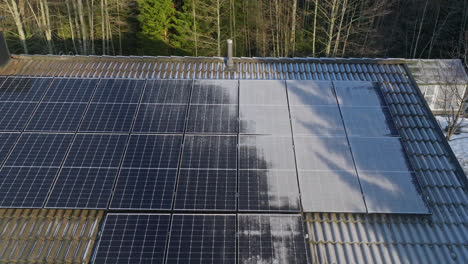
459	143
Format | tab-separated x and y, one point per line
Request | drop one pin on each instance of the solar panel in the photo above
7	141
44	150
144	189
206	190
209	152
215	92
272	239
118	91
167	92
259	92
21	89
82	188
56	117
331	191
266	152
268	190
265	120
323	153
202	239
97	151
135	238
392	192
15	115
70	90
379	154
310	93
368	121
153	151
157	118
25	186
213	119
317	120
108	118
359	94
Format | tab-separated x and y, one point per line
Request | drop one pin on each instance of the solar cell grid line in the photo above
15	115
57	117
202	239
7	142
82	188
108	117
118	91
209	152
24	89
71	90
215	92
272	239
133	238
217	119
161	118
167	92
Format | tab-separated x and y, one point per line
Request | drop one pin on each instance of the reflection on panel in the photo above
21	89
317	120
266	152
268	190
108	118
264	120
167	92
392	192
144	189
202	239
153	151
206	190
323	153
259	92
210	152
213	119
25	186
15	116
118	91
359	94
379	154
368	121
331	191
310	93
272	239
160	118
61	117
82	188
133	238
70	90
215	92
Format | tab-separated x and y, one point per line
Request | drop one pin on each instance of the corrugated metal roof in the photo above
334	238
47	236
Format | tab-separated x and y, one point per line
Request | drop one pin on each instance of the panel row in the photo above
156	238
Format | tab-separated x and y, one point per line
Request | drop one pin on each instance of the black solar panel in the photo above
15	115
153	151
57	117
264	120
210	152
359	94
82	188
167	92
310	93
109	118
7	141
272	239
25	186
20	89
206	190
160	118
268	190
373	121
133	238
266	152
215	92
118	91
202	239
317	120
144	189
99	151
258	92
71	90
43	150
213	119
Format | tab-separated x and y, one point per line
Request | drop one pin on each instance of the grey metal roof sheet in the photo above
335	238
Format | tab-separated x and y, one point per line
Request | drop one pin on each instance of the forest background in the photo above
264	28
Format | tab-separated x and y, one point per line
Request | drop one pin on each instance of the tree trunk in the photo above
420	29
293	27
194	14
331	28
103	28
337	40
84	32
218	28
72	31
19	24
315	28
91	24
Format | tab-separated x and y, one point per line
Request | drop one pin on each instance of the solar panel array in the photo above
205	165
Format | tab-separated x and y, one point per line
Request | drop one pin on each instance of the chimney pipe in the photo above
230	63
4	53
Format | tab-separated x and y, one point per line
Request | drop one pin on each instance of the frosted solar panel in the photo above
266	152
262	92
